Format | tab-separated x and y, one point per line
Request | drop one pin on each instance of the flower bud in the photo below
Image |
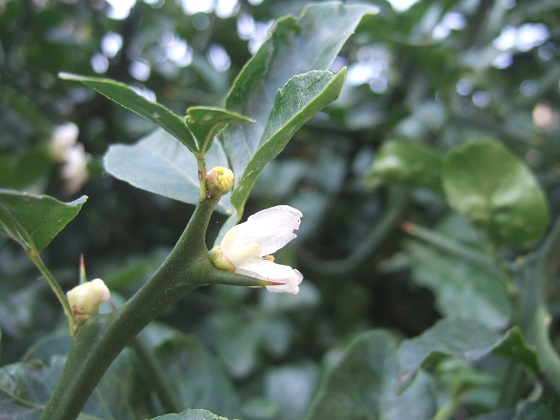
86	298
219	181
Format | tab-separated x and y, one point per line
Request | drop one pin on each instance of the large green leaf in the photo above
467	340
26	387
462	290
129	99
299	100
159	164
496	192
34	220
406	163
196	376
296	46
362	384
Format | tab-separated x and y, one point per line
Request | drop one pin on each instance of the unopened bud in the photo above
86	298
219	181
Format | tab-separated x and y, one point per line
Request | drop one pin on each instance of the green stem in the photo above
509	390
398	200
55	286
453	248
548	357
201	164
103	337
167	396
100	340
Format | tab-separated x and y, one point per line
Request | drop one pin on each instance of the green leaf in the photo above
26	387
467	340
205	123
34	220
546	406
129	99
462	290
197	414
299	100
296	46
197	377
362	384
496	192
406	163
28	169
159	164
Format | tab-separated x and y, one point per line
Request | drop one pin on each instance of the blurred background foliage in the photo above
430	73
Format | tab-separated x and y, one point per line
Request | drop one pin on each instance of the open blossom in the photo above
247	248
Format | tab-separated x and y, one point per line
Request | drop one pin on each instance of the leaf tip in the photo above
68	76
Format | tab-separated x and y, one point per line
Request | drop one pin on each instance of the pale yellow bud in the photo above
219	181
86	298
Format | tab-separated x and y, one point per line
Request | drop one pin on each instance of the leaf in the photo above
299	100
34	220
546	406
129	99
205	123
159	164
191	415
362	384
406	163
197	377
496	192
467	340
28	169
462	290
25	388
296	46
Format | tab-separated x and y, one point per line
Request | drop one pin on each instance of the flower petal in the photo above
270	228
267	270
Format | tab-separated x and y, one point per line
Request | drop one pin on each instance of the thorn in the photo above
83	277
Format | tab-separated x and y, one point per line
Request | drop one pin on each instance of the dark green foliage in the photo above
361	116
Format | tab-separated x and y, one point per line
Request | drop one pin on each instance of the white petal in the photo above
271	228
267	270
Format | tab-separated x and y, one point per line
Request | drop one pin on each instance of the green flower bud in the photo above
219	181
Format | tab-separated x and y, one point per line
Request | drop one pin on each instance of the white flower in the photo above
247	248
63	138
74	171
65	149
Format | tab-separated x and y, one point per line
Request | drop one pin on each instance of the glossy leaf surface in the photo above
159	164
495	191
296	46
34	220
